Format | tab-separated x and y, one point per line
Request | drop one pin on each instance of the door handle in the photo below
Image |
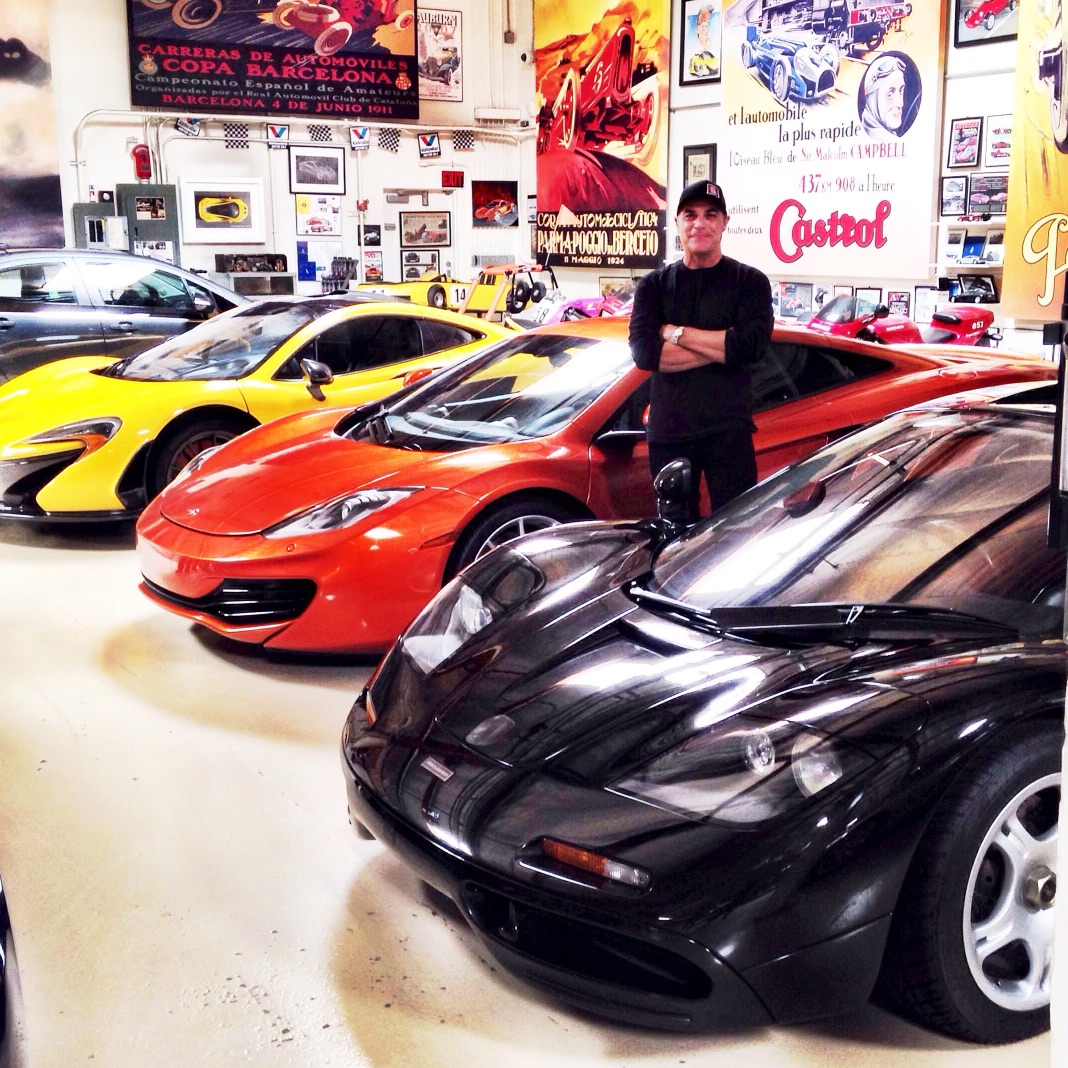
6	324
124	325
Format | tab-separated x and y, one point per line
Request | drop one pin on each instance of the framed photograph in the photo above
973	289
841	291
964	138
952	246
416	264
318	214
998	141
872	294
439	54
315	169
795	300
701	42
972	250
988	194
899	301
977	22
698	164
494	204
954	194
620	288
222	211
372	266
425	229
370	235
994	248
926	303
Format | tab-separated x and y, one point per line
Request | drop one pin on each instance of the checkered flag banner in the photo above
389	138
463	140
319	131
235	134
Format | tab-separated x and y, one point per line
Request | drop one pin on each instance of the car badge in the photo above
193	511
437	769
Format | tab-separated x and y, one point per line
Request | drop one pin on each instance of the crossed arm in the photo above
694	349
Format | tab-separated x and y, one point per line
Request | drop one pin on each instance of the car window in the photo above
36	283
439	336
363	342
198	291
790	370
129	284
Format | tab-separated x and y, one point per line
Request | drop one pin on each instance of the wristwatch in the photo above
676	334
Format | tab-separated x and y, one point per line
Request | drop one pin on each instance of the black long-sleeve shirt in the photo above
731	296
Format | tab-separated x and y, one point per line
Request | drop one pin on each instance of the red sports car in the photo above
329	531
985	13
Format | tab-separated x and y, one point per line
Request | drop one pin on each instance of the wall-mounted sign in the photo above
452	179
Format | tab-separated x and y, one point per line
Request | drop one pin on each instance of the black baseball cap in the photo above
703	191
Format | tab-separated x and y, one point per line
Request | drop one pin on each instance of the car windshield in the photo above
844	309
945	510
522	388
231	345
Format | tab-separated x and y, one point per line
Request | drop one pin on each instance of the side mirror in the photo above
203	304
881	311
317	373
674	490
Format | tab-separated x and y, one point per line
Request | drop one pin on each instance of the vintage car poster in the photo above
345	58
440	54
602	182
702	43
830	117
1036	230
31	207
494	203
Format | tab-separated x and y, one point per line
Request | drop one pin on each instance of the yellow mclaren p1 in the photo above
92	438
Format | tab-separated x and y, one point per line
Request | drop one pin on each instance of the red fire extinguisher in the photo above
142	162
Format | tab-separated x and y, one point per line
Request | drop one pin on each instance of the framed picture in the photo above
978	22
926	303
841	291
494	204
998	141
898	301
994	248
964	138
795	300
698	164
620	288
988	194
425	229
318	214
416	264
972	250
973	289
440	54
370	235
701	43
872	294
954	194
372	266
222	211
314	169
952	246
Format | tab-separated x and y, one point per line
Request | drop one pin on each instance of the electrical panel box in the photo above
151	213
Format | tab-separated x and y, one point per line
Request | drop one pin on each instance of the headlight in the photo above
805	61
744	770
461	610
340	512
91	432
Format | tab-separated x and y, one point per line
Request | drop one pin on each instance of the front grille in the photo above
246	601
584	949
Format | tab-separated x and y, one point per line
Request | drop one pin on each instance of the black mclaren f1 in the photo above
761	768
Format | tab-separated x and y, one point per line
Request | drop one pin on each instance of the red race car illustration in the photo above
603	102
497	210
985	14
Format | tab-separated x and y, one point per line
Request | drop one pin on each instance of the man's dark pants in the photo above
726	459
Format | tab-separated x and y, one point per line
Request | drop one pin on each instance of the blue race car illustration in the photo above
792	66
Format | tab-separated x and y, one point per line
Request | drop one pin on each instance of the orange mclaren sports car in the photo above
327	531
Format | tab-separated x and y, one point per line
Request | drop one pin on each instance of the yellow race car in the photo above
230	210
93	438
429	288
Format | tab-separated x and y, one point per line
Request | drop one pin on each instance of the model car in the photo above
611	99
848	316
750	773
222	209
93	438
985	13
432	288
792	66
62	302
329	532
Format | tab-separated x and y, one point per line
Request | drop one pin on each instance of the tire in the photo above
983	871
502	524
568	113
537	292
193	14
513	304
435	297
177	449
333	39
521	290
988	23
780	81
748	59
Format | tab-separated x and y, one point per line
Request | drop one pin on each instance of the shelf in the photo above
257	283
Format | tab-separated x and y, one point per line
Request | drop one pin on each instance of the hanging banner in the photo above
440	52
340	59
1036	230
830	118
602	180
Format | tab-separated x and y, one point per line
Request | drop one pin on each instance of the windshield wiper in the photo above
381	433
831	621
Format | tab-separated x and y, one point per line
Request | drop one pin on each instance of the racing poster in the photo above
832	107
602	180
440	51
333	58
1036	230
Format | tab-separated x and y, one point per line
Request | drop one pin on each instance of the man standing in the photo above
698	324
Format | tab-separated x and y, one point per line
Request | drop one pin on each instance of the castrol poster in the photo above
830	117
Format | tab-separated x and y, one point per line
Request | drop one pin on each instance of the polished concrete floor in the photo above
186	890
